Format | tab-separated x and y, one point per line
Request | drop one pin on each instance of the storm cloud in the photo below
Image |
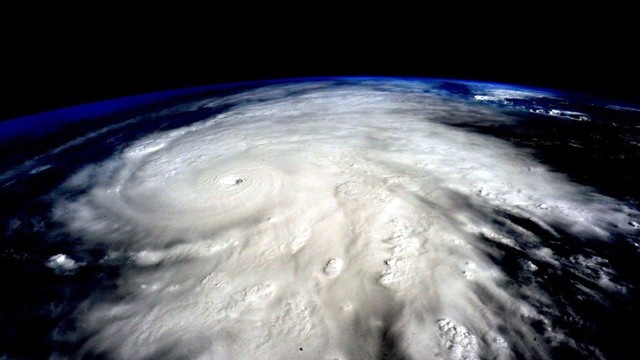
309	221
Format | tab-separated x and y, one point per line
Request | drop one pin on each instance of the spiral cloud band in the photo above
311	221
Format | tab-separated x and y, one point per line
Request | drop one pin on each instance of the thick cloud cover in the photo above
317	222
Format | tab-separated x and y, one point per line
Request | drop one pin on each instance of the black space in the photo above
53	62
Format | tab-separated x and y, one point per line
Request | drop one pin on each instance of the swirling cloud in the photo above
311	221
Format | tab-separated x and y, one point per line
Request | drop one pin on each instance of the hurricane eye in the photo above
231	180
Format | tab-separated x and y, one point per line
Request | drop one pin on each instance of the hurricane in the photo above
360	221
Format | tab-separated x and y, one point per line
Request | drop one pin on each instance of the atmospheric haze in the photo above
312	221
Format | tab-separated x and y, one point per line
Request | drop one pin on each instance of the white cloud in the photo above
62	264
358	215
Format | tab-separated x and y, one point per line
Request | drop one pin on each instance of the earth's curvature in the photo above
346	218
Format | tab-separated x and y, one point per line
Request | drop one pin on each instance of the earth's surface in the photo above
323	219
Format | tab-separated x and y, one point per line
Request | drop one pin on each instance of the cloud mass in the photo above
311	221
